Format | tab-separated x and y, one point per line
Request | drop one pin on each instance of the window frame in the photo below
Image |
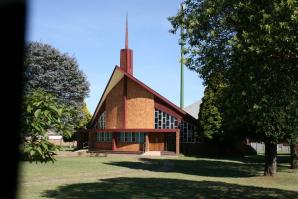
103	137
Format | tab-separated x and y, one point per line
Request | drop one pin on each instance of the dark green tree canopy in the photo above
52	71
254	45
210	115
210	120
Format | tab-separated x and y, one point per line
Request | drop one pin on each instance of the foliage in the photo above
83	123
210	114
206	37
52	71
86	116
41	112
264	65
254	44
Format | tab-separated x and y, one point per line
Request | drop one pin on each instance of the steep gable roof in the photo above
116	76
193	109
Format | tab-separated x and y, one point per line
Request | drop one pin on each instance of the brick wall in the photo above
140	107
115	107
129	146
103	145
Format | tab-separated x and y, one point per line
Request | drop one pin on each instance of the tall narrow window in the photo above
101	121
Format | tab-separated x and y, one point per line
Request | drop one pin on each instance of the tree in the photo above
48	69
292	123
210	114
265	69
255	44
41	112
83	123
294	154
86	116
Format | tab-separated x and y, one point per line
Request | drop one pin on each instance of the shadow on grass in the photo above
201	167
163	188
224	167
281	159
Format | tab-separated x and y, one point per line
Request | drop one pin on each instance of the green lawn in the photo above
183	177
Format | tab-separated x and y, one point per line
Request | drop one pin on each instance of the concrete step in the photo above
152	153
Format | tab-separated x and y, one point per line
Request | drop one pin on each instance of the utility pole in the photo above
181	61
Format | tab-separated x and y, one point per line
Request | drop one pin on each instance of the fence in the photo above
260	147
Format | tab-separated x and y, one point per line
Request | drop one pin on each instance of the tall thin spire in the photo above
126	54
126	33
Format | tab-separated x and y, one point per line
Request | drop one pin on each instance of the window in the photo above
122	137
188	133
164	121
101	121
127	137
141	138
132	137
103	137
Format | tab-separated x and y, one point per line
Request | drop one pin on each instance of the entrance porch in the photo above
135	140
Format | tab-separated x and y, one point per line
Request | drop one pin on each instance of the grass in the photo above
183	177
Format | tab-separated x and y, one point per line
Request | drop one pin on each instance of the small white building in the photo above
57	139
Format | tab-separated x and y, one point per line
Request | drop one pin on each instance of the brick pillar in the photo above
146	142
91	140
177	142
114	146
116	139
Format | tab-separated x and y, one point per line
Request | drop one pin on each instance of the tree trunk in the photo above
271	159
294	156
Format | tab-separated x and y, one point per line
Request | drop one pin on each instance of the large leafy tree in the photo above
255	43
52	71
264	70
41	111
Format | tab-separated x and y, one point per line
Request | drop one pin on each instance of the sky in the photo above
93	32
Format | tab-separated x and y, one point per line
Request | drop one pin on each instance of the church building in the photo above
132	118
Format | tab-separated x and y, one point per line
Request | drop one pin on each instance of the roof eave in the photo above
101	98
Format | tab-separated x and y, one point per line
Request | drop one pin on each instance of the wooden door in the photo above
170	142
156	142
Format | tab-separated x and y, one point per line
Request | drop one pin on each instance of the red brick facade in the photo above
140	107
114	107
129	107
